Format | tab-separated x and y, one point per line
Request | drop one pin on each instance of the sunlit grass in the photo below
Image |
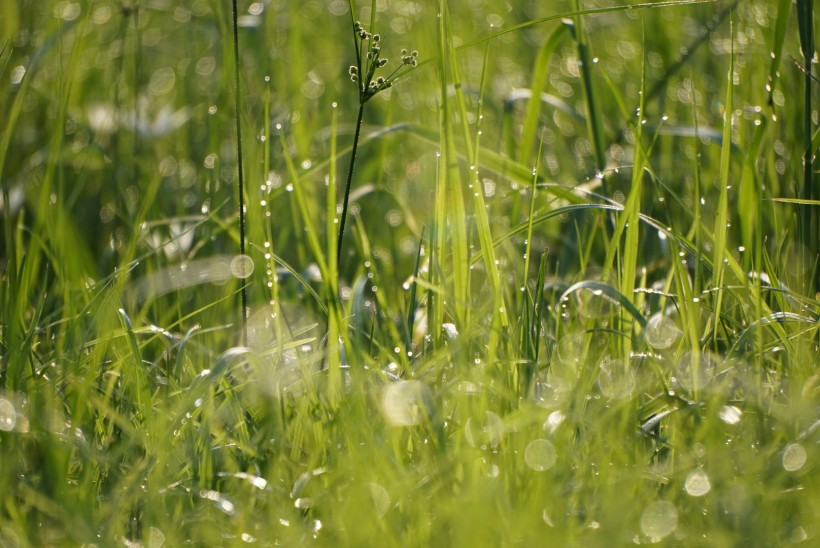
573	302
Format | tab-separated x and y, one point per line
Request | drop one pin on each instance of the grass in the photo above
566	291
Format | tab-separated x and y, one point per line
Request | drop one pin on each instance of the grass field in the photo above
574	302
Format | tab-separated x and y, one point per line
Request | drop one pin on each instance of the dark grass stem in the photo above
369	60
348	184
243	294
805	20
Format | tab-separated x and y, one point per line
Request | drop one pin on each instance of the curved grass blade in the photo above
611	293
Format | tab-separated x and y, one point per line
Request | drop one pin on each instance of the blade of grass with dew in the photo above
571	14
412	305
379	294
330	206
632	209
472	152
778	39
530	216
537	84
134	374
243	301
528	336
800	201
336	333
591	95
721	230
749	197
453	211
302	206
266	213
628	220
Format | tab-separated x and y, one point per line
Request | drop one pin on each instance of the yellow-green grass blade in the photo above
479	206
537	84
721	230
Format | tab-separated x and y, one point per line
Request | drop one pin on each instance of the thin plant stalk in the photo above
805	20
349	183
363	74
243	295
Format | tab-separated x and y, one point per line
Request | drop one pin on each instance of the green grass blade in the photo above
537	84
479	206
302	206
721	229
778	39
810	218
591	95
451	211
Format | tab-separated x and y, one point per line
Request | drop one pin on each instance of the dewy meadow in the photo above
409	273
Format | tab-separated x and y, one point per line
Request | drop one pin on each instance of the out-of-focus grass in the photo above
553	320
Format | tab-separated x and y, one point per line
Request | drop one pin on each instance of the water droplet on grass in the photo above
616	379
553	421
242	266
381	498
730	414
540	455
659	519
794	457
695	370
697	483
219	500
572	347
450	330
661	332
8	415
486	435
405	403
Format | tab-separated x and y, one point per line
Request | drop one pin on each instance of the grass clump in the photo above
568	293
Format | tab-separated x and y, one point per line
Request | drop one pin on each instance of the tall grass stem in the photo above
349	183
243	294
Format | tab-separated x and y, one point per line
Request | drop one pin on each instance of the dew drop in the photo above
695	370
553	421
8	415
794	457
540	455
659	519
242	266
616	379
661	332
404	403
380	497
697	483
730	414
450	331
486	435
